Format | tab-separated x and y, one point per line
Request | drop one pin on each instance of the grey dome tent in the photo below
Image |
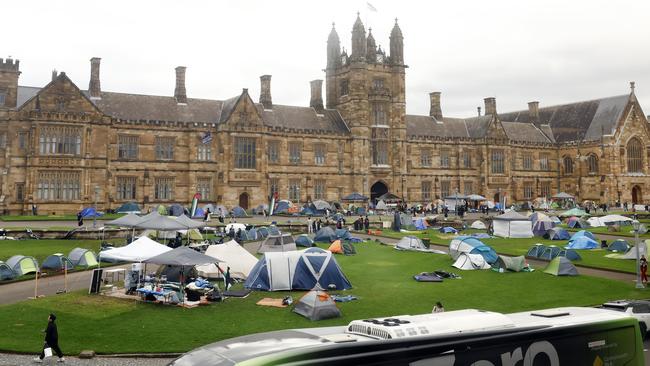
22	265
317	305
82	257
304	240
325	235
259	209
561	266
550	252
411	243
570	254
175	210
618	245
238	212
129	207
277	243
514	264
57	262
536	250
273	230
6	273
343	234
262	232
557	233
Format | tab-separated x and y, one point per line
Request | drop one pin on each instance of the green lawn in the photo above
381	276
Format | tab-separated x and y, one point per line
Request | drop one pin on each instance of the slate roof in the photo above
474	127
26	93
518	131
303	118
590	118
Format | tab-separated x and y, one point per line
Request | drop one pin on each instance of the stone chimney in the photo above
55	74
490	105
316	101
94	88
533	112
435	111
265	91
179	92
478	109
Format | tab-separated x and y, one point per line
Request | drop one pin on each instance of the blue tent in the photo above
619	245
199	213
448	230
281	207
536	250
331	274
6	273
308	211
360	211
355	196
579	224
273	230
253	234
342	234
471	245
175	210
557	233
238	212
90	212
582	242
582	233
570	254
355	240
540	227
128	207
325	235
304	241
481	235
420	224
262	232
550	253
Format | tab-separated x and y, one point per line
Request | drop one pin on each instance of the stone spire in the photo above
358	41
371	47
333	49
396	45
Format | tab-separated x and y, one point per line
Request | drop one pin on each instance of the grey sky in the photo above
552	51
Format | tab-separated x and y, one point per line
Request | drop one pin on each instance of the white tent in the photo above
235	226
138	251
381	205
277	243
478	224
415	244
468	261
232	255
614	219
512	225
595	222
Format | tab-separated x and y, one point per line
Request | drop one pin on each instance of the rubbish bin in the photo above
603	243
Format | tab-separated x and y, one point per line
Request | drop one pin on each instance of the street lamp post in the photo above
456	200
637	225
95	215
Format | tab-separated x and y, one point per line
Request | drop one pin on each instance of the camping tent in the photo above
57	262
540	227
259	209
570	254
6	273
556	220
343	234
557	233
467	261
514	264
307	211
538	216
139	250
615	219
320	206
282	206
582	233
317	305
233	255
381	206
82	257
561	266
238	212
579	224
297	270
573	212
129	207
582	242
550	252
411	243
355	197
420	223
512	225
536	250
478	224
277	243
618	245
175	210
595	222
631	254
339	247
325	235
22	265
470	245
303	240
90	212
448	230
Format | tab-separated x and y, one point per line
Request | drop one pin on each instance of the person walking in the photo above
438	308
310	228
644	269
51	340
366	224
80	219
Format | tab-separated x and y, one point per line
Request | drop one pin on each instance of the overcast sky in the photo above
517	51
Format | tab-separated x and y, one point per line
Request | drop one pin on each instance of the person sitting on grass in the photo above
438	308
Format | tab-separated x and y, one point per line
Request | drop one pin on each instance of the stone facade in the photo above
64	148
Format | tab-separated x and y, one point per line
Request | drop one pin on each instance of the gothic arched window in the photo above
634	156
568	165
592	163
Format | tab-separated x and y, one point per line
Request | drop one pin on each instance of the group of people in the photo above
362	224
313	225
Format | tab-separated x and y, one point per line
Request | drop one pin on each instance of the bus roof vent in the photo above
552	313
451	322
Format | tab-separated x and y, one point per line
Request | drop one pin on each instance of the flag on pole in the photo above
371	7
206	138
195	204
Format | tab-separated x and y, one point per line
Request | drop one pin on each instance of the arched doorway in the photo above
497	197
243	200
378	189
637	196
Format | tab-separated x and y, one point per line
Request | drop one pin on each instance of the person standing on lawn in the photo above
51	340
644	269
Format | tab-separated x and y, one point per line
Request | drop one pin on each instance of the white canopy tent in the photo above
232	255
512	225
138	251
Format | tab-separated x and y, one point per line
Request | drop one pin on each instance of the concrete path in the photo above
23	360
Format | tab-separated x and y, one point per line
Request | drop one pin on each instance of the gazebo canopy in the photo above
456	196
389	197
355	197
476	197
137	251
182	256
128	220
563	196
156	221
189	223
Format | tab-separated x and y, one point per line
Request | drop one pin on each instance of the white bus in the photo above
571	336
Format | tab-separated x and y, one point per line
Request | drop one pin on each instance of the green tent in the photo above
161	210
573	212
514	264
22	265
83	257
561	266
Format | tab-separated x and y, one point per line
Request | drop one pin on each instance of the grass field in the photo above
40	249
381	276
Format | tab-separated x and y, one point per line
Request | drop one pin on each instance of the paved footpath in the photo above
23	360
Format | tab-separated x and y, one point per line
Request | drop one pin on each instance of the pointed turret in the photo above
358	41
371	47
396	45
333	49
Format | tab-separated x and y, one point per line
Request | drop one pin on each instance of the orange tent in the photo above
336	247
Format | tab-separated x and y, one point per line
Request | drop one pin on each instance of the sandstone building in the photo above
62	148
